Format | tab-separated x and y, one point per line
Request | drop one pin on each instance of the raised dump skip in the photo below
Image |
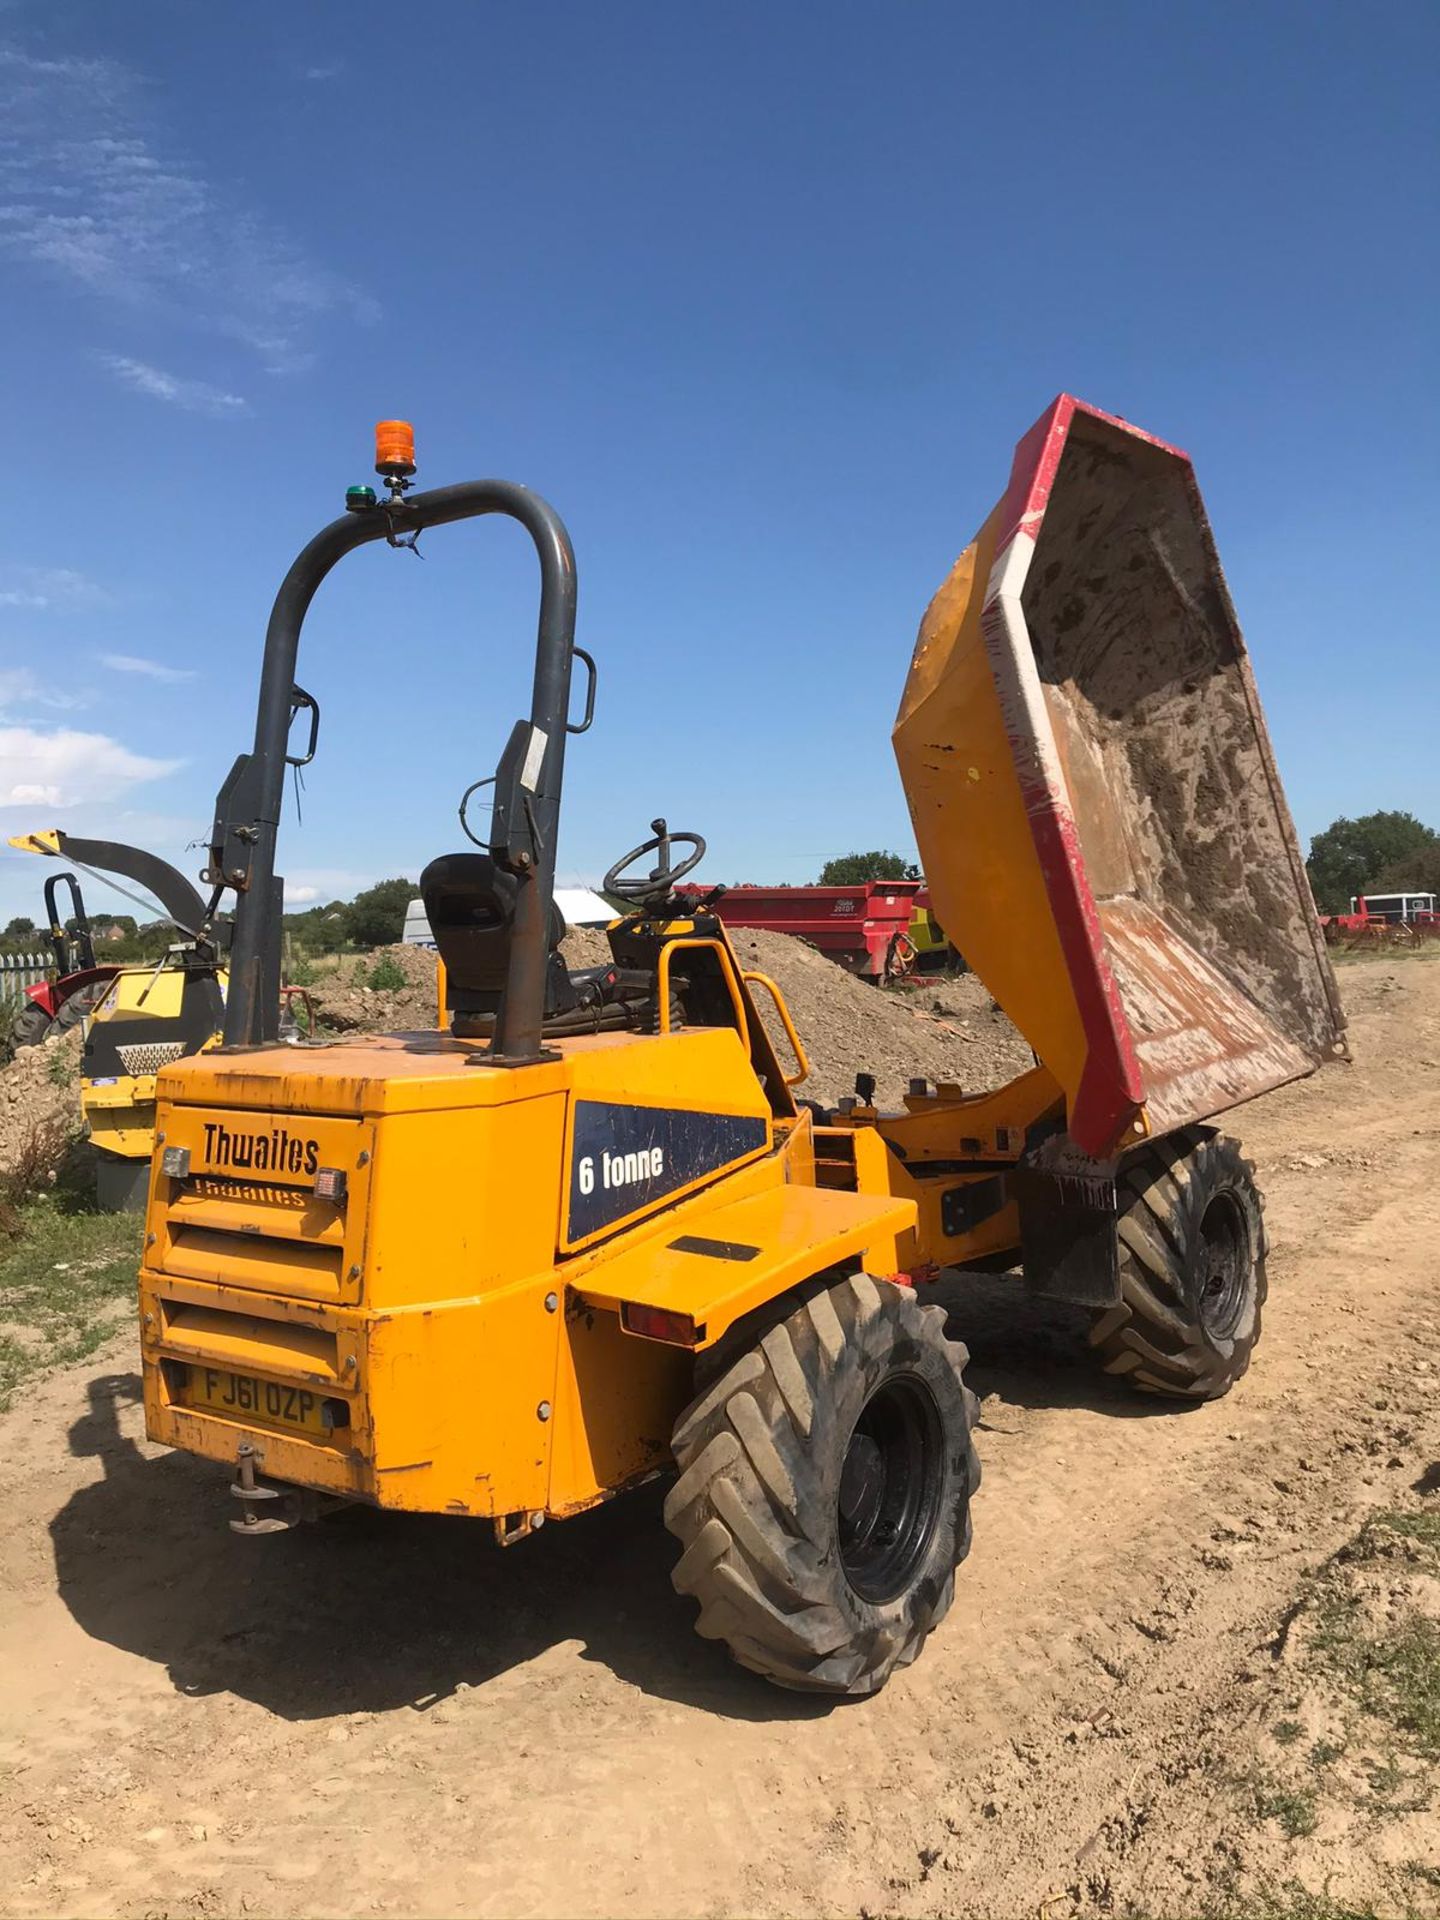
1095	798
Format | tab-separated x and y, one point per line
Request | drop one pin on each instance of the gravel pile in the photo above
346	1006
948	1031
39	1090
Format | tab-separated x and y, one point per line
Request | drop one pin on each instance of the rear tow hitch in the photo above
274	1509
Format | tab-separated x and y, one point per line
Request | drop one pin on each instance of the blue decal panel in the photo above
628	1158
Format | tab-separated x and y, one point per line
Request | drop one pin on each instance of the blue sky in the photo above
761	298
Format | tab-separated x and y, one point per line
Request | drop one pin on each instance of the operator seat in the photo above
470	904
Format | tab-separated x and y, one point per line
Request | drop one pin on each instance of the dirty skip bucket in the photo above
1095	799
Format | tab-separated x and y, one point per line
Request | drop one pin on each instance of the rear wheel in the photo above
823	1502
80	1005
28	1028
1192	1269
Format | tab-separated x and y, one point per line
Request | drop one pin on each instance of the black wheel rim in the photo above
1224	1267
891	1481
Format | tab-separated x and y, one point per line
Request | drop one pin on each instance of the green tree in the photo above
319	929
376	917
1418	872
20	932
854	869
1353	855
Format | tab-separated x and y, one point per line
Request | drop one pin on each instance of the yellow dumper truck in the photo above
590	1235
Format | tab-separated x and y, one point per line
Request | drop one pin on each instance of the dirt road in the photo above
381	1716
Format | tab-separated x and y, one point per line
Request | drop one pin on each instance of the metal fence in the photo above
18	971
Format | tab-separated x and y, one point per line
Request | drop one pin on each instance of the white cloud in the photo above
151	669
63	767
194	396
310	884
90	190
59	589
22	687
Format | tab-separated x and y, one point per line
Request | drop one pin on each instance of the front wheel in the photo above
823	1502
1192	1269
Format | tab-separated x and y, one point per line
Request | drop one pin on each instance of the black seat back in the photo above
470	904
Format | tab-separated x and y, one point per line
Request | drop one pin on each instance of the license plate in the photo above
239	1396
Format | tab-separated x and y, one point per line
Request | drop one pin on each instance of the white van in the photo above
580	905
417	928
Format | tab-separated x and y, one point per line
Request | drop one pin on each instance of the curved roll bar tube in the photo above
523	834
60	940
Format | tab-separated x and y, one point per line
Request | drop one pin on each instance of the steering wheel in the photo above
661	879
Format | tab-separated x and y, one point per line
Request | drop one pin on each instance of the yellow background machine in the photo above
591	1236
147	1015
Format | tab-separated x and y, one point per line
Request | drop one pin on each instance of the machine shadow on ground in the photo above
369	1612
364	1611
1031	1352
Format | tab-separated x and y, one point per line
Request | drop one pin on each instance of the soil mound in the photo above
347	1002
950	1030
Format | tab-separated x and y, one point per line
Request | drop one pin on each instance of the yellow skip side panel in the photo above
970	822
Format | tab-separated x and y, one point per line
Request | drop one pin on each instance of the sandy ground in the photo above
386	1716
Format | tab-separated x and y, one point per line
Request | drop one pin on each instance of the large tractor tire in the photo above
28	1028
823	1502
1192	1269
80	1006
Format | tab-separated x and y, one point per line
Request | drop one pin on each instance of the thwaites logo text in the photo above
628	1158
277	1150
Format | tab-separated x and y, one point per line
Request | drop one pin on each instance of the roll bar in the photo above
527	782
60	940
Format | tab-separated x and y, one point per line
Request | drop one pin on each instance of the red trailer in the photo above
865	928
1383	919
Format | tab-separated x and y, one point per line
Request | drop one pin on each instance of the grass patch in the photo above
1424	1527
1391	954
1294	1808
1394	1675
1294	1902
387	975
1291	1901
1287	1732
62	1275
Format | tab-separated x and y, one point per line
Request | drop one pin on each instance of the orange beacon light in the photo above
395	449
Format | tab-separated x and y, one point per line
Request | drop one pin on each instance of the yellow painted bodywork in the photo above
926	934
46	841
120	1111
471	1341
471	1346
975	841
